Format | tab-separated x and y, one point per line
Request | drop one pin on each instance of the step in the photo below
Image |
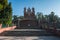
27	32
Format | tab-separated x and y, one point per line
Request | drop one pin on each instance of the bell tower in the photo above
33	13
29	13
25	12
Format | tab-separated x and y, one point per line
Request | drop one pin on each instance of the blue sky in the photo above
44	6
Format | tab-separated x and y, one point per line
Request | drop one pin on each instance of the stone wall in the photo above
28	24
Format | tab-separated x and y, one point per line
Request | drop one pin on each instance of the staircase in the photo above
27	32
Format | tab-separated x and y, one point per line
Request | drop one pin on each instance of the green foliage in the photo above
50	20
1	7
5	12
15	17
20	17
39	16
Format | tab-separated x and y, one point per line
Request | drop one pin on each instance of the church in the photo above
29	20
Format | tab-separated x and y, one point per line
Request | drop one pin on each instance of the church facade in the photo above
29	20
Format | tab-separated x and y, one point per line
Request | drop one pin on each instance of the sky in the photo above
44	6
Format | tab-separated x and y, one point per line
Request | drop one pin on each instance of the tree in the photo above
9	14
53	19
39	15
15	18
5	12
21	17
40	18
